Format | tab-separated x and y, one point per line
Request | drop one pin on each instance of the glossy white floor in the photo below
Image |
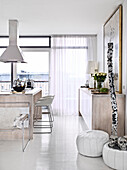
56	151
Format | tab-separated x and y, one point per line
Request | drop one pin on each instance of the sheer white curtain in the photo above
69	56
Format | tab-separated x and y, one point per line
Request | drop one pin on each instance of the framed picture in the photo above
113	33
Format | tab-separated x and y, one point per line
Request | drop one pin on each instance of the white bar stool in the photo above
44	103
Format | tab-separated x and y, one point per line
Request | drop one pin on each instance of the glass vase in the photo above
99	84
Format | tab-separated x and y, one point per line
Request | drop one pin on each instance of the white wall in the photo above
124	49
124	55
100	49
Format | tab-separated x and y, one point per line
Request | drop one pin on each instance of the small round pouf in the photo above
90	143
114	158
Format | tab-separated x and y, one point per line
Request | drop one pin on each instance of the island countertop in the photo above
27	92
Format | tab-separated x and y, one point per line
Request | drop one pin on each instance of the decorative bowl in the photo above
19	88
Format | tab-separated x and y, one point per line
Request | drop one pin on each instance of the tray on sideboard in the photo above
99	92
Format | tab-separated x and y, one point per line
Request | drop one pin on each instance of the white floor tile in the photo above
56	151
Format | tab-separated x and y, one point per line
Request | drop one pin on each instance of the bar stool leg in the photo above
51	111
43	126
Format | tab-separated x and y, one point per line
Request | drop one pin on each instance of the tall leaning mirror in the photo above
113	33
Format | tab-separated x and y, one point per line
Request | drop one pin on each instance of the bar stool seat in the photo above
49	106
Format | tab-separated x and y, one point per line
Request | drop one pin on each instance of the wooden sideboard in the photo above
96	111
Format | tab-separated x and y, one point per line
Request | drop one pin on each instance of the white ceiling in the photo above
45	17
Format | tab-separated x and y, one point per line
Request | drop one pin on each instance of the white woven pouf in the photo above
90	143
116	159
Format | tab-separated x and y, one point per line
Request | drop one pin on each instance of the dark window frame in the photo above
30	36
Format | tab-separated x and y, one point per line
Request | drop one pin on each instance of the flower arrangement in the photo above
100	77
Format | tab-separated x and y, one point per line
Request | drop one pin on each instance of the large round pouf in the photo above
90	143
116	159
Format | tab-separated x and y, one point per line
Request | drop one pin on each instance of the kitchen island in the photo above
21	99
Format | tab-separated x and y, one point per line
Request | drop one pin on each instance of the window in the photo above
4	41
28	41
5	74
34	42
37	67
